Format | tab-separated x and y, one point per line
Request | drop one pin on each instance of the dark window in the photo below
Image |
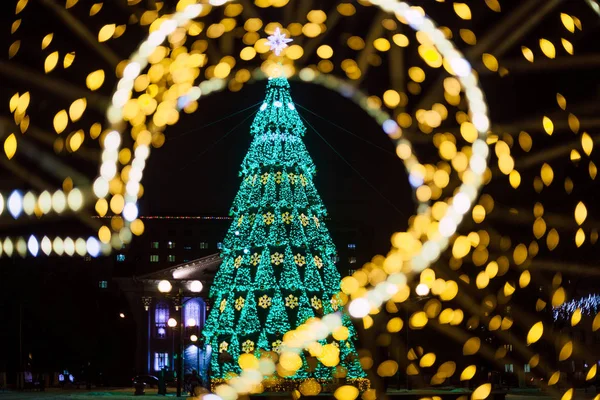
120	257
187	247
88	258
103	284
154	245
154	258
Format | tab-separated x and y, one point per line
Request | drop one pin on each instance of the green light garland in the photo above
278	265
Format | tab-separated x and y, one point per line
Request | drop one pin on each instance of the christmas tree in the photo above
278	266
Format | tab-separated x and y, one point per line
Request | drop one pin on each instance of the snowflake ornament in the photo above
278	41
291	301
248	346
264	302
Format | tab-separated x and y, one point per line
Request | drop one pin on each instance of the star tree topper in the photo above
278	41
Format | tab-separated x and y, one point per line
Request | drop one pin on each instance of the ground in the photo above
112	394
127	394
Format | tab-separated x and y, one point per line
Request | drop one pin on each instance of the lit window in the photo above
351	272
351	246
335	259
526	368
120	257
171	258
171	245
161	316
204	245
187	247
103	284
352	260
508	368
219	245
161	360
88	258
154	245
154	258
194	310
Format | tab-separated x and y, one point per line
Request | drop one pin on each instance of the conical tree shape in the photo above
278	257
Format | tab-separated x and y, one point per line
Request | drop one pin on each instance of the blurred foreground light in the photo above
172	322
194	338
191	322
211	397
15	204
33	246
93	247
164	286
359	308
422	289
122	315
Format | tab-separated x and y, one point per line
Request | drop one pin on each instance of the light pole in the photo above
165	287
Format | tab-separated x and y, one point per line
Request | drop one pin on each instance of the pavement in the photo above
127	394
108	394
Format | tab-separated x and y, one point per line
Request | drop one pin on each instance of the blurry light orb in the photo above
191	322
121	315
33	246
93	247
164	286
172	322
359	308
422	289
15	204
194	338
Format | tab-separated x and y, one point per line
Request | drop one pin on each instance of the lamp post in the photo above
166	287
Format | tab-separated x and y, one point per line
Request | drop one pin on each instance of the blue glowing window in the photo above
161	360
120	257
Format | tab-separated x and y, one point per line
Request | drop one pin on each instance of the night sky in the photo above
196	171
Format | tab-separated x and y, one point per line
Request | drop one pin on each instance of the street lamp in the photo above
196	286
166	287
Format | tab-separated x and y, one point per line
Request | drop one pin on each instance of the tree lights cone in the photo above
278	265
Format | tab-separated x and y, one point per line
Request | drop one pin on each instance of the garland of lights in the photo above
278	266
588	306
